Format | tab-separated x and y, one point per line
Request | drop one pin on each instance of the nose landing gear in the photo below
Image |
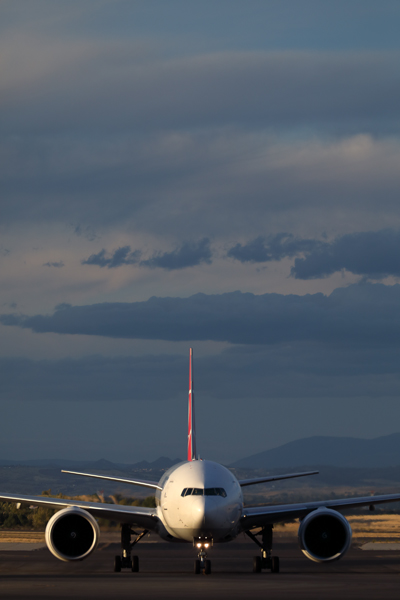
266	560
126	560
202	565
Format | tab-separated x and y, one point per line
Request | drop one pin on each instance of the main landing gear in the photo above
202	565
265	561
127	561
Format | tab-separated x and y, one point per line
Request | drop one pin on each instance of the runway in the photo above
166	571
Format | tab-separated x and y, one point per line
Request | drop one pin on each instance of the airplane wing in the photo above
135	515
142	482
244	482
263	515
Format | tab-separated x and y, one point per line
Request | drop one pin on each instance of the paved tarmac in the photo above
166	571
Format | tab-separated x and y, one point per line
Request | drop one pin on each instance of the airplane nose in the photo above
198	511
212	513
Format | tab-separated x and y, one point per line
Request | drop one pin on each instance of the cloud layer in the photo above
267	89
145	160
298	370
357	314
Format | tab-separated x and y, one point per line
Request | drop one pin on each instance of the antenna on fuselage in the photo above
191	452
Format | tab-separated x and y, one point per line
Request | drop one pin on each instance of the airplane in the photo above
199	502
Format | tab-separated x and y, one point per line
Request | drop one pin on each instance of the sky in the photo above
222	175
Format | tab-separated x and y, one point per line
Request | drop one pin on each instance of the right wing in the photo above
244	482
142	482
262	515
135	515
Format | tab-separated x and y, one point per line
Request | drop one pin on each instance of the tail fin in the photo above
191	453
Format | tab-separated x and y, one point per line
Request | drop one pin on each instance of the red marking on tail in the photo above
191	453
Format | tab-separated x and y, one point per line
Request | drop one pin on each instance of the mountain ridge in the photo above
383	451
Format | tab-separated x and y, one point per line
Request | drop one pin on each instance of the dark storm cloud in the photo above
189	254
276	247
374	254
364	313
300	370
121	256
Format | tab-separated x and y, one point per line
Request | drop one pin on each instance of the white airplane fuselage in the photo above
210	507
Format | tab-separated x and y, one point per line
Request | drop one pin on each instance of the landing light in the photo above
202	543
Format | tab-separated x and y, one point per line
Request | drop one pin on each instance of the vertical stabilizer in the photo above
191	453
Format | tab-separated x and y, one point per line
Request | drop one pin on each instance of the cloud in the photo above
86	232
121	256
58	264
365	313
275	247
189	254
374	254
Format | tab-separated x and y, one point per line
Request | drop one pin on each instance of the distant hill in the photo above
333	451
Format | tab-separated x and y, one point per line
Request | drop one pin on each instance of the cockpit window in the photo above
215	492
202	492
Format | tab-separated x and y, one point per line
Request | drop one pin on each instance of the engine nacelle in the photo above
324	535
72	534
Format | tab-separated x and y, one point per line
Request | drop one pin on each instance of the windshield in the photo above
204	492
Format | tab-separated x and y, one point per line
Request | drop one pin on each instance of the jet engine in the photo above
324	535
72	534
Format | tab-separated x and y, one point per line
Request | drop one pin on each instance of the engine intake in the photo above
72	534
324	535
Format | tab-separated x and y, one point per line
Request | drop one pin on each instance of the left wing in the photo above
136	515
142	482
263	515
244	482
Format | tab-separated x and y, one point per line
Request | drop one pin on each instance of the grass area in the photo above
374	527
22	537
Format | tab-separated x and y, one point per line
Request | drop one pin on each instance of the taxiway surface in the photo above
166	571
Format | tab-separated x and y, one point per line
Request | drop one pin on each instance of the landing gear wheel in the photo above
117	564
257	564
135	564
207	567
196	567
275	564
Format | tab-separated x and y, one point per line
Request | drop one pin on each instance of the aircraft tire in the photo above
275	564
207	567
196	567
135	564
117	564
257	564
